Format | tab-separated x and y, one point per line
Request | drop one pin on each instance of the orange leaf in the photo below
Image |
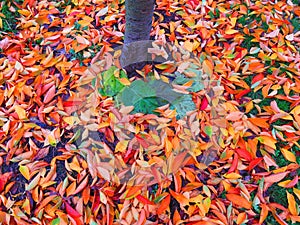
261	122
241	218
165	203
86	195
70	190
267	140
278	218
180	198
133	191
239	200
264	213
176	217
292	204
208	67
288	155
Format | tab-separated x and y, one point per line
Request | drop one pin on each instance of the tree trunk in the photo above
138	20
138	17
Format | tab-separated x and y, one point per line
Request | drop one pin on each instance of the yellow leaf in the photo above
24	12
288	155
297	192
21	112
121	146
69	120
292	204
284	183
103	198
25	172
74	165
231	31
296	110
232	176
51	140
26	206
104	124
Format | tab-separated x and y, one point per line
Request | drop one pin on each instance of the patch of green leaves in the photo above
110	85
248	43
9	22
296	23
147	96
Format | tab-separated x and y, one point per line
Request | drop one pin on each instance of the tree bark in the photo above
138	18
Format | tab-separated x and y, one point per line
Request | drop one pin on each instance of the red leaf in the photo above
204	103
254	163
234	163
96	202
3	180
243	153
242	93
72	212
257	78
144	200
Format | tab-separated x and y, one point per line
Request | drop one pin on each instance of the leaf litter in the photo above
252	48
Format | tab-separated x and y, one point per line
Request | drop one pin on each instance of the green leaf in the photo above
183	105
208	130
164	91
136	92
197	80
111	85
147	96
146	105
55	221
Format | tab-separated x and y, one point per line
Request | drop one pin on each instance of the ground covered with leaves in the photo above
55	141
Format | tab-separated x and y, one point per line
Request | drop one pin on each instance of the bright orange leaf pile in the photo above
252	47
